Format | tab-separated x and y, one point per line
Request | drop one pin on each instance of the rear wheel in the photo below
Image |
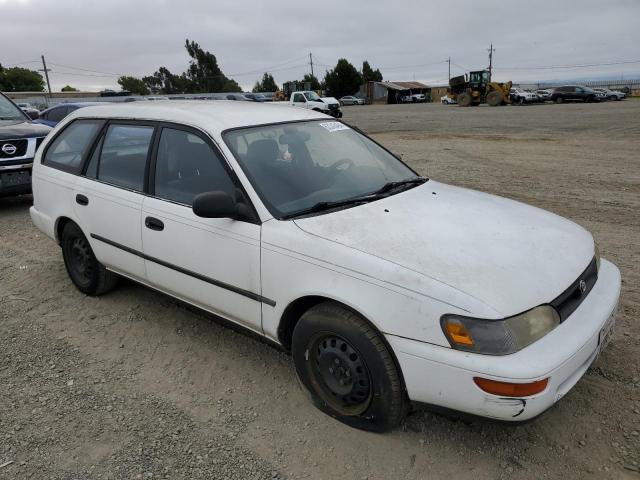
344	364
494	98
87	274
464	99
559	100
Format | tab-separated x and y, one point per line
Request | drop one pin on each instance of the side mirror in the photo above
217	204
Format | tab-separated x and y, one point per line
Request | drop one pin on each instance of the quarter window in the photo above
68	149
298	98
123	156
57	114
186	166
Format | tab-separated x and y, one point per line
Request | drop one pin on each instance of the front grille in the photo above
13	148
333	106
569	300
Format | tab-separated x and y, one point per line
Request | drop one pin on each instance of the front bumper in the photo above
443	376
15	179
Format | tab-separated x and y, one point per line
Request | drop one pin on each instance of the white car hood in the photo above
506	254
329	100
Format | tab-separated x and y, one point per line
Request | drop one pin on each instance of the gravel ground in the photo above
135	385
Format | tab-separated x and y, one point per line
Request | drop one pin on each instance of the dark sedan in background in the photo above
51	116
574	93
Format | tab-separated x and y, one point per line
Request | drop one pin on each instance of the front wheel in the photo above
87	274
559	100
349	372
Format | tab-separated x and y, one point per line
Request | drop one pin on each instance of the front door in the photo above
213	263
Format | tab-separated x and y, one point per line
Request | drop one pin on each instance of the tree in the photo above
68	88
369	74
313	80
343	80
133	85
163	81
18	79
267	84
204	73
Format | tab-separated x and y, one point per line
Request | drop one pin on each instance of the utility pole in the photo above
311	63
46	73
491	50
449	62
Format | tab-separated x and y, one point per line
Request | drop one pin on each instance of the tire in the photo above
87	274
559	100
347	369
494	98
464	99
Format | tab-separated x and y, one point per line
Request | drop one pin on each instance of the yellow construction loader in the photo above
479	88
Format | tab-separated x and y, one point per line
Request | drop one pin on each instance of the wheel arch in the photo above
294	311
61	222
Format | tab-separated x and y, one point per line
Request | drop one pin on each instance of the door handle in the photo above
82	199
153	224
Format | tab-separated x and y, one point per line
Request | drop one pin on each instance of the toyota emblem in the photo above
582	286
9	148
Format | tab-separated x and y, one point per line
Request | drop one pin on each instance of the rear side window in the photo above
123	156
70	146
186	166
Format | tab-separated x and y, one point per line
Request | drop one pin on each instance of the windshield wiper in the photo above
323	206
387	187
370	197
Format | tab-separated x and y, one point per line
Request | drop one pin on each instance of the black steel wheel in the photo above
347	368
86	272
340	373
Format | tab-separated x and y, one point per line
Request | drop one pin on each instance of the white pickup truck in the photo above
313	101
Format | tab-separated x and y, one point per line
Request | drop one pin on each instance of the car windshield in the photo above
299	166
8	111
312	96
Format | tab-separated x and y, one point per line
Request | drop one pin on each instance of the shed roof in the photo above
402	85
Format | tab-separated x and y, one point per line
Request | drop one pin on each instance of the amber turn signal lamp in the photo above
505	389
458	334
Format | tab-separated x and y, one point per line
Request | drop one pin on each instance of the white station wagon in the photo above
386	287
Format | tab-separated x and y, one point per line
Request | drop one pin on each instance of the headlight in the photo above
502	336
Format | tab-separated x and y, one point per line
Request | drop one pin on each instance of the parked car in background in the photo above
256	97
574	93
19	140
406	98
51	116
268	96
156	97
447	100
520	96
418	98
32	112
311	100
544	94
351	100
468	301
610	94
238	97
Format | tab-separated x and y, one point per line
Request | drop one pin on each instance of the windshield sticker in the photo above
334	126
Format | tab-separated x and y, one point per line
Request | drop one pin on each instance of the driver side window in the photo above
187	166
298	98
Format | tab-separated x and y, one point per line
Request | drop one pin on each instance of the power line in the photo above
22	63
579	65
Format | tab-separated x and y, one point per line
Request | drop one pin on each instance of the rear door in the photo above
213	263
109	195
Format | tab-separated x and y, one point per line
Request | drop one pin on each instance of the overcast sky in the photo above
406	39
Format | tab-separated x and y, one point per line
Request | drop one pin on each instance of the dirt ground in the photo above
134	385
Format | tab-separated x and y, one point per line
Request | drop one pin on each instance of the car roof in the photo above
214	116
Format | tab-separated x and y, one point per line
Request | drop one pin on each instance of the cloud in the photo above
406	39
